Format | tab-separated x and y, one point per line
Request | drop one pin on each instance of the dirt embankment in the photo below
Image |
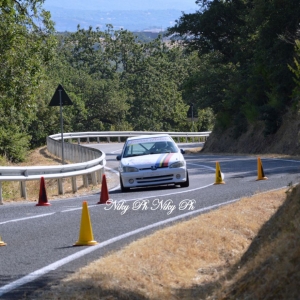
284	142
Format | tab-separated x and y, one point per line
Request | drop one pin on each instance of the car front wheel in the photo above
123	188
187	182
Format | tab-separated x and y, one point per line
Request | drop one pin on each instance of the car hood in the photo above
152	160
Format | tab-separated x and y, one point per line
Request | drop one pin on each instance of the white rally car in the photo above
152	160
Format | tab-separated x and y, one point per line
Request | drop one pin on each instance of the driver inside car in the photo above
161	147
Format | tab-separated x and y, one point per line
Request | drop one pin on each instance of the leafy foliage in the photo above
233	59
296	72
243	59
25	48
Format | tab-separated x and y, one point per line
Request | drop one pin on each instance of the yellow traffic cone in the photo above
219	178
2	243
260	170
86	233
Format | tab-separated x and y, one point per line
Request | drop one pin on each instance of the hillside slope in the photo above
269	269
285	141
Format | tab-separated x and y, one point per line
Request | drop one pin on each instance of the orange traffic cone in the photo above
104	196
43	199
260	170
86	233
2	243
219	177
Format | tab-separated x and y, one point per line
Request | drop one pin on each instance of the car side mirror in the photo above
182	151
118	157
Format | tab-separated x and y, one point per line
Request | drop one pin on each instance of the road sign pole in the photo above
60	98
192	105
61	129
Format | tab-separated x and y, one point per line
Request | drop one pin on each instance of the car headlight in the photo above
177	164
130	169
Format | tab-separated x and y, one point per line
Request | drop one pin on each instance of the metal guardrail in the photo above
87	161
108	135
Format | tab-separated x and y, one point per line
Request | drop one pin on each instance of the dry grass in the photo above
240	251
246	250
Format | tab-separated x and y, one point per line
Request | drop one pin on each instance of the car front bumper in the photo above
154	177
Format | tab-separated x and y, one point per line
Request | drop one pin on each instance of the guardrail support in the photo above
60	186
85	180
23	189
94	178
99	176
74	185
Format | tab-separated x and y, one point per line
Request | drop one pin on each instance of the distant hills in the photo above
133	15
105	5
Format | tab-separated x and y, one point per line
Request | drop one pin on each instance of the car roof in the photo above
147	136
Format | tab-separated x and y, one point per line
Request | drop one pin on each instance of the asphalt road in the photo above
40	240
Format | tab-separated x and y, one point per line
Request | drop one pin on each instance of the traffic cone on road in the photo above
2	243
260	170
104	196
43	199
86	233
219	177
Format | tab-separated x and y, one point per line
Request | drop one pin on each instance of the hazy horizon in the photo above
103	5
133	15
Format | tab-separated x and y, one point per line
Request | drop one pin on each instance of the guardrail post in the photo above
23	189
99	176
78	141
88	140
98	139
94	179
60	186
1	199
74	185
85	180
119	139
108	139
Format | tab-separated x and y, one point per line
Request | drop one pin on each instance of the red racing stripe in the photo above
167	159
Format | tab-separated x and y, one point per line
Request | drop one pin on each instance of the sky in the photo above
134	15
107	5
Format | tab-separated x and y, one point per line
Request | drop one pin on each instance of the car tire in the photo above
187	182
123	188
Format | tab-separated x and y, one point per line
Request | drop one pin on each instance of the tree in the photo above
295	69
121	76
249	79
26	47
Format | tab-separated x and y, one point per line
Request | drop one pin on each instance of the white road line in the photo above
38	273
174	193
289	160
207	167
27	218
116	151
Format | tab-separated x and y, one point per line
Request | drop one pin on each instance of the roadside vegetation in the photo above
236	61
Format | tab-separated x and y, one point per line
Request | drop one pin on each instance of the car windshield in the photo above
150	146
